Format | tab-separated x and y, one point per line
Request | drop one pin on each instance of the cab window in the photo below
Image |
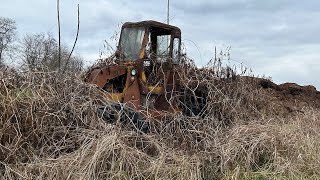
176	50
131	42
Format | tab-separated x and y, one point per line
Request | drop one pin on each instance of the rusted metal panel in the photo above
100	76
132	93
151	23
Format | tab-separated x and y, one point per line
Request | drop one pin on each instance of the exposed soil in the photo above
291	96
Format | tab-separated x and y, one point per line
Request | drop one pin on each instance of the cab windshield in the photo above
131	42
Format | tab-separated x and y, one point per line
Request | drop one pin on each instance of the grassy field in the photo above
50	130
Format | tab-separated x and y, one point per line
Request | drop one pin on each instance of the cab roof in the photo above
152	23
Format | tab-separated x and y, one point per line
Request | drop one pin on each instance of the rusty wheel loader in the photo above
144	80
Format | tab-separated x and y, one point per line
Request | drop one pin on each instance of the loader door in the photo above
158	55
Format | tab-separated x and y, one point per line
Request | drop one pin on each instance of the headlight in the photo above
133	72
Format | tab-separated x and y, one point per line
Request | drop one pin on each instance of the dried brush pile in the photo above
49	129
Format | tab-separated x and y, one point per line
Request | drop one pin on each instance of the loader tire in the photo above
126	116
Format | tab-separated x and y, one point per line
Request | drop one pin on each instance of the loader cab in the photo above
149	42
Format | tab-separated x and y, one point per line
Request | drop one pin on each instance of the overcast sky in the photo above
276	38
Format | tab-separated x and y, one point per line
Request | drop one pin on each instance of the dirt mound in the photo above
291	95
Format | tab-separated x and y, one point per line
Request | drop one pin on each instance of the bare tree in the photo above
7	35
37	49
40	51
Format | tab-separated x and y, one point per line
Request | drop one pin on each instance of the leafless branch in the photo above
58	13
75	42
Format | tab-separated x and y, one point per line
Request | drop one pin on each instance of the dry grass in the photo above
50	130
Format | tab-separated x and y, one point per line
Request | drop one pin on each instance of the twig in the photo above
75	42
58	12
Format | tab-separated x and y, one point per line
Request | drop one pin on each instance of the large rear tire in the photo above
126	116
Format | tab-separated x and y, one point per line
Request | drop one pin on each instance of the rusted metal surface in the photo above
175	30
100	76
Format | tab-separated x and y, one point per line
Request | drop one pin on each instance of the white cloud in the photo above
276	38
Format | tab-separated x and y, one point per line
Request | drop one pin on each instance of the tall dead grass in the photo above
50	130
